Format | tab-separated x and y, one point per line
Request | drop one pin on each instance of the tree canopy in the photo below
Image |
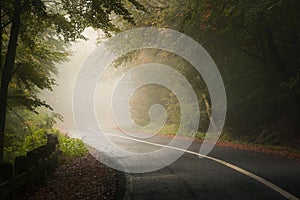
255	45
34	36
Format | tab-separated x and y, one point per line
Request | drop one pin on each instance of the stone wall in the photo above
30	169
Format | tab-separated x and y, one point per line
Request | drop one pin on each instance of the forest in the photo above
255	45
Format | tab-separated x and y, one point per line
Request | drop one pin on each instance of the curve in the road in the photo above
222	162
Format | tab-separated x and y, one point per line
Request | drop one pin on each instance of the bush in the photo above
70	147
20	147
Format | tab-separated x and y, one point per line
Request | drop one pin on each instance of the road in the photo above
226	173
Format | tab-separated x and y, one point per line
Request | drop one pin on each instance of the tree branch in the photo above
16	69
6	24
21	119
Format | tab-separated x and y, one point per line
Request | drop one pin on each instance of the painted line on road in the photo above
222	162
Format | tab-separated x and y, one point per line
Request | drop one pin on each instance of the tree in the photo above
255	44
33	25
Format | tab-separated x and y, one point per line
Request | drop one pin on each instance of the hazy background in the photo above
61	97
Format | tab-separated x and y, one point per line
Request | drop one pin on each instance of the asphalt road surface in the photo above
226	173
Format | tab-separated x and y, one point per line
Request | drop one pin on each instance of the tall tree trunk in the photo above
8	69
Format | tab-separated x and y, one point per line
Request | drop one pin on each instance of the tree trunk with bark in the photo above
7	70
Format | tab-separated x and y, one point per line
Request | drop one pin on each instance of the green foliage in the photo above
33	36
255	45
31	133
38	51
200	135
21	121
38	138
21	147
26	131
71	147
169	129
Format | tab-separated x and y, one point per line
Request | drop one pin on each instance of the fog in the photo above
110	94
60	99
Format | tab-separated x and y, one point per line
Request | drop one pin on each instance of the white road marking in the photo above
236	168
